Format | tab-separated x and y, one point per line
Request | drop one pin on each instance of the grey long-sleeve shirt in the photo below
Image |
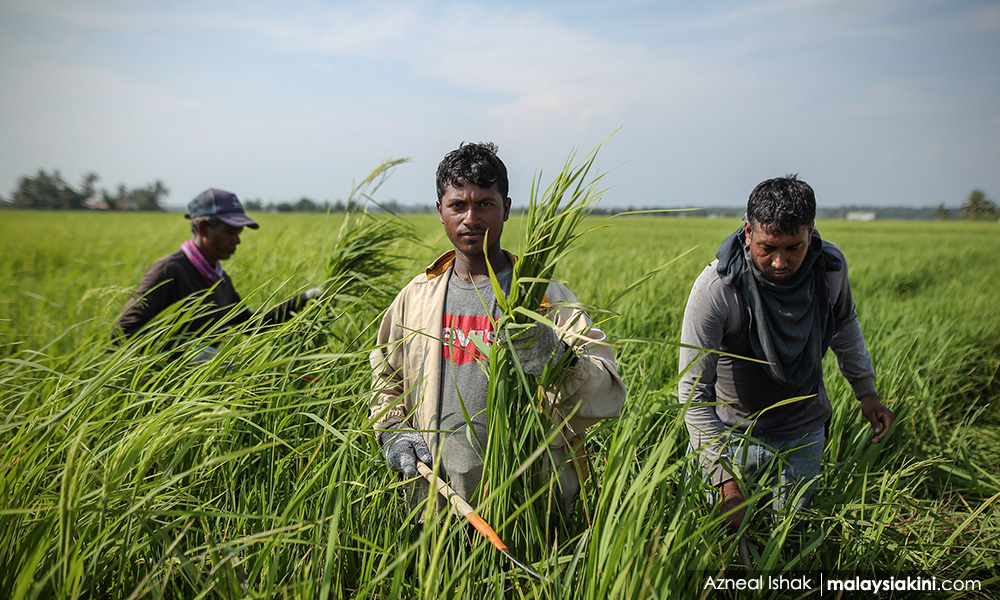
717	318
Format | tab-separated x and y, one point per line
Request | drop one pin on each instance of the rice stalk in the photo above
519	483
183	476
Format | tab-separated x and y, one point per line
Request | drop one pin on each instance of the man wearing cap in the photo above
217	219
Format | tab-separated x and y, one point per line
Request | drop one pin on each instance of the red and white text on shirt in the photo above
458	332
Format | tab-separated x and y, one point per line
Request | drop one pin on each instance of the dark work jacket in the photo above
172	279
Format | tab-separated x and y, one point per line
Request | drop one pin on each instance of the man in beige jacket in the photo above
430	385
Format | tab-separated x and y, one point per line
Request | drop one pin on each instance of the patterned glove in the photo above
402	447
536	346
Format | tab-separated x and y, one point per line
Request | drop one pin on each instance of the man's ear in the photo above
506	208
747	230
440	216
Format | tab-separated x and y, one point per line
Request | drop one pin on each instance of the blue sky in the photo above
872	102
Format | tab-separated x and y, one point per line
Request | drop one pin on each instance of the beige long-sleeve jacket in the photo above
407	362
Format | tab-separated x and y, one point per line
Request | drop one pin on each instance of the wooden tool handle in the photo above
463	507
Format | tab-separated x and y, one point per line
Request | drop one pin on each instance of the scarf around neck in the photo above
791	322
211	273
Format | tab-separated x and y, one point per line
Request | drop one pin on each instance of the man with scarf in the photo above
217	220
777	293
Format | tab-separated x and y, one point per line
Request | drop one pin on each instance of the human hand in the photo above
402	447
313	293
732	497
536	346
880	417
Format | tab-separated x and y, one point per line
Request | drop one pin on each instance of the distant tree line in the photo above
49	191
305	204
978	207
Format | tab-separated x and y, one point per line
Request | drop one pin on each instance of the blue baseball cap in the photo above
222	204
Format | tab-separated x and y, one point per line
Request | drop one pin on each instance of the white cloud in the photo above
987	17
708	94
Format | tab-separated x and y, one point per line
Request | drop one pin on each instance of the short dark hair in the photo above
472	163
782	205
213	221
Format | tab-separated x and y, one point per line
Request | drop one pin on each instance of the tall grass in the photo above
125	475
520	483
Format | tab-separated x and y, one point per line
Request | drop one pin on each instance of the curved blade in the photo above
523	566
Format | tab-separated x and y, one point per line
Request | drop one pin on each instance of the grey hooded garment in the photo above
789	329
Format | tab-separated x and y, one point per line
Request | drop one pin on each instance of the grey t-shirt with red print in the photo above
470	311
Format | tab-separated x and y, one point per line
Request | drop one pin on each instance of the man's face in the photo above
468	212
218	243
778	256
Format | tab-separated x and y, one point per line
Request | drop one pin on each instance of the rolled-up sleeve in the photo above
592	389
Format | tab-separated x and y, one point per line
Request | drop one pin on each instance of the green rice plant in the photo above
149	476
127	475
519	483
360	265
367	247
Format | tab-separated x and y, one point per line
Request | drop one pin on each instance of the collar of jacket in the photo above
441	264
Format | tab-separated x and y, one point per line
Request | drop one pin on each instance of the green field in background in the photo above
927	302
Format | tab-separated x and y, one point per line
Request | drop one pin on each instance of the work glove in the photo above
402	447
535	347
